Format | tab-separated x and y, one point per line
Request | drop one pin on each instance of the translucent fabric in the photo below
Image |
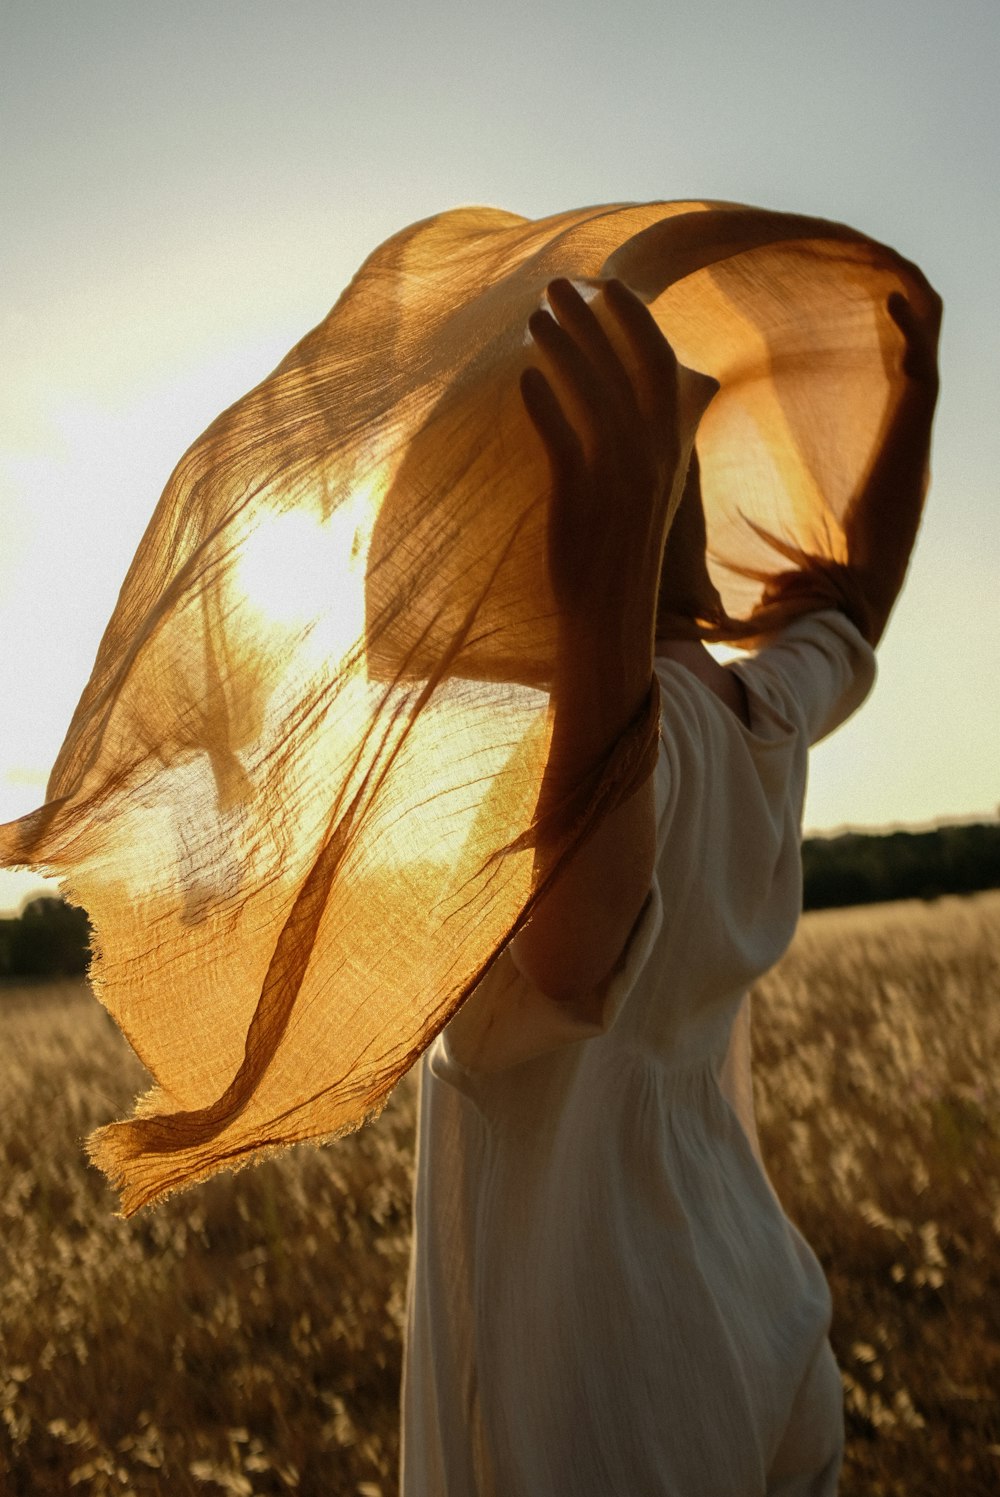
298	798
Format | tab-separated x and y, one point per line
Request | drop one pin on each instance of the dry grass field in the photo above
244	1338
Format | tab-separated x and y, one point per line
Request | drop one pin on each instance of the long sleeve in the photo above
817	672
508	1020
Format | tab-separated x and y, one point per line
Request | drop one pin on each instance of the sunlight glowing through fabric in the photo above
299	797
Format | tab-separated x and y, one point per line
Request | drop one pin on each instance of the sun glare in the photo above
306	574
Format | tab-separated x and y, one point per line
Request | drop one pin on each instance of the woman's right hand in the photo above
616	415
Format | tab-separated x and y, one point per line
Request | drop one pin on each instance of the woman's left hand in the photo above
921	332
881	525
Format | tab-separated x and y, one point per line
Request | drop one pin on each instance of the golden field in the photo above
244	1337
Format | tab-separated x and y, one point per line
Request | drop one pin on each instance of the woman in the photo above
606	1297
369	746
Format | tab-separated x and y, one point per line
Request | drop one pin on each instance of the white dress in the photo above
606	1298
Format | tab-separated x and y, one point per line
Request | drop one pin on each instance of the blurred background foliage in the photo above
50	939
859	868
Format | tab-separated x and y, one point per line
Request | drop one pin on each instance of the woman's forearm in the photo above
581	925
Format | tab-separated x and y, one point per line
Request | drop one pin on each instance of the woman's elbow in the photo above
572	964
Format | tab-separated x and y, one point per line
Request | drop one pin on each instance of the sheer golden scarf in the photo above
298	796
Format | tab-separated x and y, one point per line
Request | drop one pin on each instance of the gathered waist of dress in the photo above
678	1042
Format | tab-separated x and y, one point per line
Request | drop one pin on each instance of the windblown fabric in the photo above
298	798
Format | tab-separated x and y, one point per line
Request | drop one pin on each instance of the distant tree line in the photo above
860	868
52	939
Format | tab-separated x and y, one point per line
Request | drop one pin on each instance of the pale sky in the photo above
185	188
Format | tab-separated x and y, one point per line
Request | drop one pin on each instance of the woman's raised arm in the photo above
882	524
617	416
